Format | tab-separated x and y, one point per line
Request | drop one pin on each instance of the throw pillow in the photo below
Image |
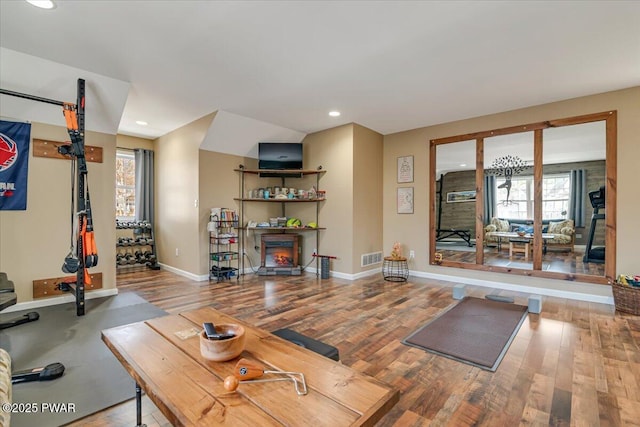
567	230
526	228
502	225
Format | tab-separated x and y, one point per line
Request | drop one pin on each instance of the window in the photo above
555	197
556	191
125	185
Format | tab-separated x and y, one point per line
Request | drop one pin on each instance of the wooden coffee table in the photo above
529	237
189	390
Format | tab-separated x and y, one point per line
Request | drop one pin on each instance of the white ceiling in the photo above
387	65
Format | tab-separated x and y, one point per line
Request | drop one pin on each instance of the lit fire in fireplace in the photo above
282	259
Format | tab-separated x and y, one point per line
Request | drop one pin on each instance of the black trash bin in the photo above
324	268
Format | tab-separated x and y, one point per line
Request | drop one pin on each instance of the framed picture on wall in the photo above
405	169
461	196
405	200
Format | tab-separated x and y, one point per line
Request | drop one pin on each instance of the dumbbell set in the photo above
138	241
132	224
138	257
136	254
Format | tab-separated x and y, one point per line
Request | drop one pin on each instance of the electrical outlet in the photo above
195	203
412	254
177	252
315	250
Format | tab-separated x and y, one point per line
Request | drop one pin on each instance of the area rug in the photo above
474	331
93	379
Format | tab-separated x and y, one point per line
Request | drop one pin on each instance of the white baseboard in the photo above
347	276
196	277
580	296
28	305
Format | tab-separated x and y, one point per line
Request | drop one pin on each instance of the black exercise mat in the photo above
475	331
93	379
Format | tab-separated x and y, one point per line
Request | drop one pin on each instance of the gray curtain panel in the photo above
144	185
577	197
489	197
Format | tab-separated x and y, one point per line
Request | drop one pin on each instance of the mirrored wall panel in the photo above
455	226
537	199
509	201
573	197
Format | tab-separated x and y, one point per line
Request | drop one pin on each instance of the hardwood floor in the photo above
558	261
576	363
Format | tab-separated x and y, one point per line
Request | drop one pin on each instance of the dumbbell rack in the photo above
136	248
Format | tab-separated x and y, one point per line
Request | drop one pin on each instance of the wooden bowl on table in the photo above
224	349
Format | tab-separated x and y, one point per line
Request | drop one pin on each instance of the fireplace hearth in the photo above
279	255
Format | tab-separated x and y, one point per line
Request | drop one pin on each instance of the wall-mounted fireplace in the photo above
279	254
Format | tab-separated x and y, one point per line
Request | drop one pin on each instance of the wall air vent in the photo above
370	259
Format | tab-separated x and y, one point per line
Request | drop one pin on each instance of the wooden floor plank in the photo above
576	363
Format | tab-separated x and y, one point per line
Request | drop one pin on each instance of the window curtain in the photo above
489	198
144	185
577	197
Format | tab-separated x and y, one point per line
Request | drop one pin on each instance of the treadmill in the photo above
595	255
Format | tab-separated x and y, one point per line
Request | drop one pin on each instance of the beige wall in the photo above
133	142
34	243
367	195
333	150
177	213
413	231
219	185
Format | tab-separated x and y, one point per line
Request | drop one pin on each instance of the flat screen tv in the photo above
280	155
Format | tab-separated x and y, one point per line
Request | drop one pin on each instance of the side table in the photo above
395	269
519	246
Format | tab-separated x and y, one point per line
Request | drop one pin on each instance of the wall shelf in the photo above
282	228
278	200
283	175
284	172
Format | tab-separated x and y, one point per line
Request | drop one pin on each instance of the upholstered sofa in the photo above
563	231
5	387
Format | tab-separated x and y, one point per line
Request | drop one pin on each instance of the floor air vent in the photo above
372	258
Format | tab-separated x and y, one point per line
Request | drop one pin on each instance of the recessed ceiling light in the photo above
42	4
334	113
141	122
463	165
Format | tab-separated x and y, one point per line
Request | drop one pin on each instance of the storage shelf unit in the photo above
223	244
285	175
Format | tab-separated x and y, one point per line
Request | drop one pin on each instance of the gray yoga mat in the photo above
475	331
93	379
